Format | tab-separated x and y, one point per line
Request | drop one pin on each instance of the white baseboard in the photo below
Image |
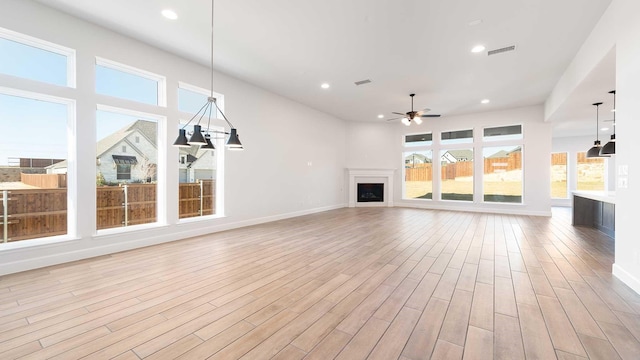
626	277
509	211
154	236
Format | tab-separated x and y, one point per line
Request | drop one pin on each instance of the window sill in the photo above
52	240
126	230
200	218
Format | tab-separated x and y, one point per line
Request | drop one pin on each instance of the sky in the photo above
38	129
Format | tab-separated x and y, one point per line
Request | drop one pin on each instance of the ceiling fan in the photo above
413	115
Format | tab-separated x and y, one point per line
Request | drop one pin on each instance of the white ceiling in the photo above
404	46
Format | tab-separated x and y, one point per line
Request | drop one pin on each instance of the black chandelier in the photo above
201	137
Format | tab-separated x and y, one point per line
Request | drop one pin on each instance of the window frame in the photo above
72	170
37	43
131	70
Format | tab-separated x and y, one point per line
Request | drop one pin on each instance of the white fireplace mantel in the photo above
386	174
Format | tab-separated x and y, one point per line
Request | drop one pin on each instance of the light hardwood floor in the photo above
355	283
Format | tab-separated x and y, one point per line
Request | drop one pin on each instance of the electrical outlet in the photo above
623	170
623	183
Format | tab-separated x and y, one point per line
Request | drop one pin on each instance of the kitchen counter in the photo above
595	209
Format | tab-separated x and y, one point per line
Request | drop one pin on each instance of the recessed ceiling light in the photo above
604	129
325	86
475	22
380	116
169	14
478	49
485	101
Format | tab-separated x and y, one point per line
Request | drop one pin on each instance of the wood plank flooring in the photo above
377	283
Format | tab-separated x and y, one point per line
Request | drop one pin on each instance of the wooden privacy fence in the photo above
45	181
424	172
34	213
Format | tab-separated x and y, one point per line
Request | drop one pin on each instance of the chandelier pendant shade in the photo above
594	152
202	137
610	147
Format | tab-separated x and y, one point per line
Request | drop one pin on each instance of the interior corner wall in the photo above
627	247
293	163
379	146
573	145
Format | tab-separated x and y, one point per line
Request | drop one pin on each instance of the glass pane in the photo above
457	137
512	132
590	173
191	101
197	171
124	85
126	170
457	174
34	168
32	63
502	178
418	174
559	176
418	140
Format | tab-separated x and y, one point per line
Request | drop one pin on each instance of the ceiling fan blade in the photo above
430	116
425	110
397	113
393	119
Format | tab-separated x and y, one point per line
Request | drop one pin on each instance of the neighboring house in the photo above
504	153
414	159
196	164
130	155
454	156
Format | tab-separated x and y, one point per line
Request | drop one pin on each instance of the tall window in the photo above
456	166
126	82
126	170
31	58
502	178
590	172
456	174
33	159
559	176
418	174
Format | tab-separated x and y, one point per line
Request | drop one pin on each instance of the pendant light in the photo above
610	147
204	140
594	152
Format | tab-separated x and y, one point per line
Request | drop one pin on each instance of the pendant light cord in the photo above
597	122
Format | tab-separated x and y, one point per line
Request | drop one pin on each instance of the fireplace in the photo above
361	182
370	192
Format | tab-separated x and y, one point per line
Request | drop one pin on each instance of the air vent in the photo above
362	82
501	50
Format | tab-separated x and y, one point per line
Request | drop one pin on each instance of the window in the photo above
34	165
30	58
123	171
190	101
197	179
511	132
502	178
590	173
457	174
418	140
129	83
418	175
456	137
126	171
559	176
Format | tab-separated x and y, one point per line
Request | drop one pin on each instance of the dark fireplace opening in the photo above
370	192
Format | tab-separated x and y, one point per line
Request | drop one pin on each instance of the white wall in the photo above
627	265
572	146
379	146
293	163
619	26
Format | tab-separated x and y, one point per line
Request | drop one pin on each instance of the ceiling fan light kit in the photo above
415	116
